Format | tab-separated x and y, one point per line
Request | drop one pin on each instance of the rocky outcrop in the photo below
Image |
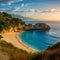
38	26
42	26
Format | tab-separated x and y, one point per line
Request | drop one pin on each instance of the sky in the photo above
36	9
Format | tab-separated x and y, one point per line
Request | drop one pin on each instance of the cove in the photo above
37	39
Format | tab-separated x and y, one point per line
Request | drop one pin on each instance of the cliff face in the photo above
38	26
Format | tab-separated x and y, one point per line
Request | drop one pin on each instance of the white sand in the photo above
12	37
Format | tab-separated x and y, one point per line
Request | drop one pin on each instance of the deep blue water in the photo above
40	40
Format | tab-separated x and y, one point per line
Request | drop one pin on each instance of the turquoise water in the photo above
40	40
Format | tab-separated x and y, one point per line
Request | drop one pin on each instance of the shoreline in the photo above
12	37
20	40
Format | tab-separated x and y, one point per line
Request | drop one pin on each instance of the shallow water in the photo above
40	40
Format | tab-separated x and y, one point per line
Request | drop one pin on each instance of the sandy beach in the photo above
12	37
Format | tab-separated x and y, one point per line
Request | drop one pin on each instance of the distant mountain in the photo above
21	17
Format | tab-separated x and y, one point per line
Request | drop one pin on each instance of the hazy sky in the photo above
37	9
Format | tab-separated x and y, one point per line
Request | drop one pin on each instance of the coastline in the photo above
20	40
12	37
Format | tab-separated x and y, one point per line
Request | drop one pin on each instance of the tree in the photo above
7	22
1	37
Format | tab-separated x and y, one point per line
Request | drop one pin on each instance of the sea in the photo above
41	40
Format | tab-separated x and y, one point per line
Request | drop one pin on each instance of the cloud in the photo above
2	9
31	10
31	13
8	2
16	9
50	10
22	5
3	4
5	9
19	7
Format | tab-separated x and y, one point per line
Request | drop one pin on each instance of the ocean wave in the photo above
55	34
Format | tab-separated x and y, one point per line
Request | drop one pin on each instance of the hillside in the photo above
52	53
9	23
9	52
4	56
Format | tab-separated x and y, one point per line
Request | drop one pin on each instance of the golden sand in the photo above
12	37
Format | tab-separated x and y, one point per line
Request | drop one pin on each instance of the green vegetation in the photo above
1	37
52	53
42	26
13	52
55	46
7	22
